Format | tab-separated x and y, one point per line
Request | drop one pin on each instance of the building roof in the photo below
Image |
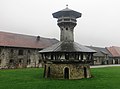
67	47
66	13
115	51
100	51
25	41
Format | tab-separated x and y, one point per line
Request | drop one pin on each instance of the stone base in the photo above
67	71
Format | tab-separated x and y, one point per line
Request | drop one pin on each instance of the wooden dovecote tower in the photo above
67	59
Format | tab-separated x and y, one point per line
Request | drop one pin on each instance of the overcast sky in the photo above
98	26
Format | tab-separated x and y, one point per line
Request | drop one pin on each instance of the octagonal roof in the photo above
67	13
67	47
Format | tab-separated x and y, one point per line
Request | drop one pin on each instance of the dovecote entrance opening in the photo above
66	73
48	74
85	72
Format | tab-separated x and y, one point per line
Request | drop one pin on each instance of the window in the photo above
67	56
84	57
28	61
20	60
11	50
66	19
28	51
39	61
11	61
20	52
66	28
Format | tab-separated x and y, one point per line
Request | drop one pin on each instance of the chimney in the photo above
38	38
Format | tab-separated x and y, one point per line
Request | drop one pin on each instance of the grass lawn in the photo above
32	78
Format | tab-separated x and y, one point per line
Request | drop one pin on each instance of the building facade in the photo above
102	56
21	51
115	52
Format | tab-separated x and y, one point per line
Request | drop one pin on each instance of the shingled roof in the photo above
115	51
67	12
67	47
100	51
24	41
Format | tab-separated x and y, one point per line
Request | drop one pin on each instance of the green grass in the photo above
32	78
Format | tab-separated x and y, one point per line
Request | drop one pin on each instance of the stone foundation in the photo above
67	71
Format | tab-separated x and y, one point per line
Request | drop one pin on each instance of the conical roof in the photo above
67	47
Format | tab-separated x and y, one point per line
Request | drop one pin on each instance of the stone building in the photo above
67	59
21	51
102	56
115	52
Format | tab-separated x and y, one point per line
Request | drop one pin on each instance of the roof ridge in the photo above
9	39
23	34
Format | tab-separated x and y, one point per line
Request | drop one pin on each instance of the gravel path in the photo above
100	66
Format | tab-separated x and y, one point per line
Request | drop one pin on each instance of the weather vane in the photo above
66	5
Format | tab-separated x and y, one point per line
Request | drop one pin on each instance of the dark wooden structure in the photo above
67	59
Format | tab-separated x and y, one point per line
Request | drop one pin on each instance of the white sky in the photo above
98	26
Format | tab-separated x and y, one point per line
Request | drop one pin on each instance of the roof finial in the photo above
66	5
